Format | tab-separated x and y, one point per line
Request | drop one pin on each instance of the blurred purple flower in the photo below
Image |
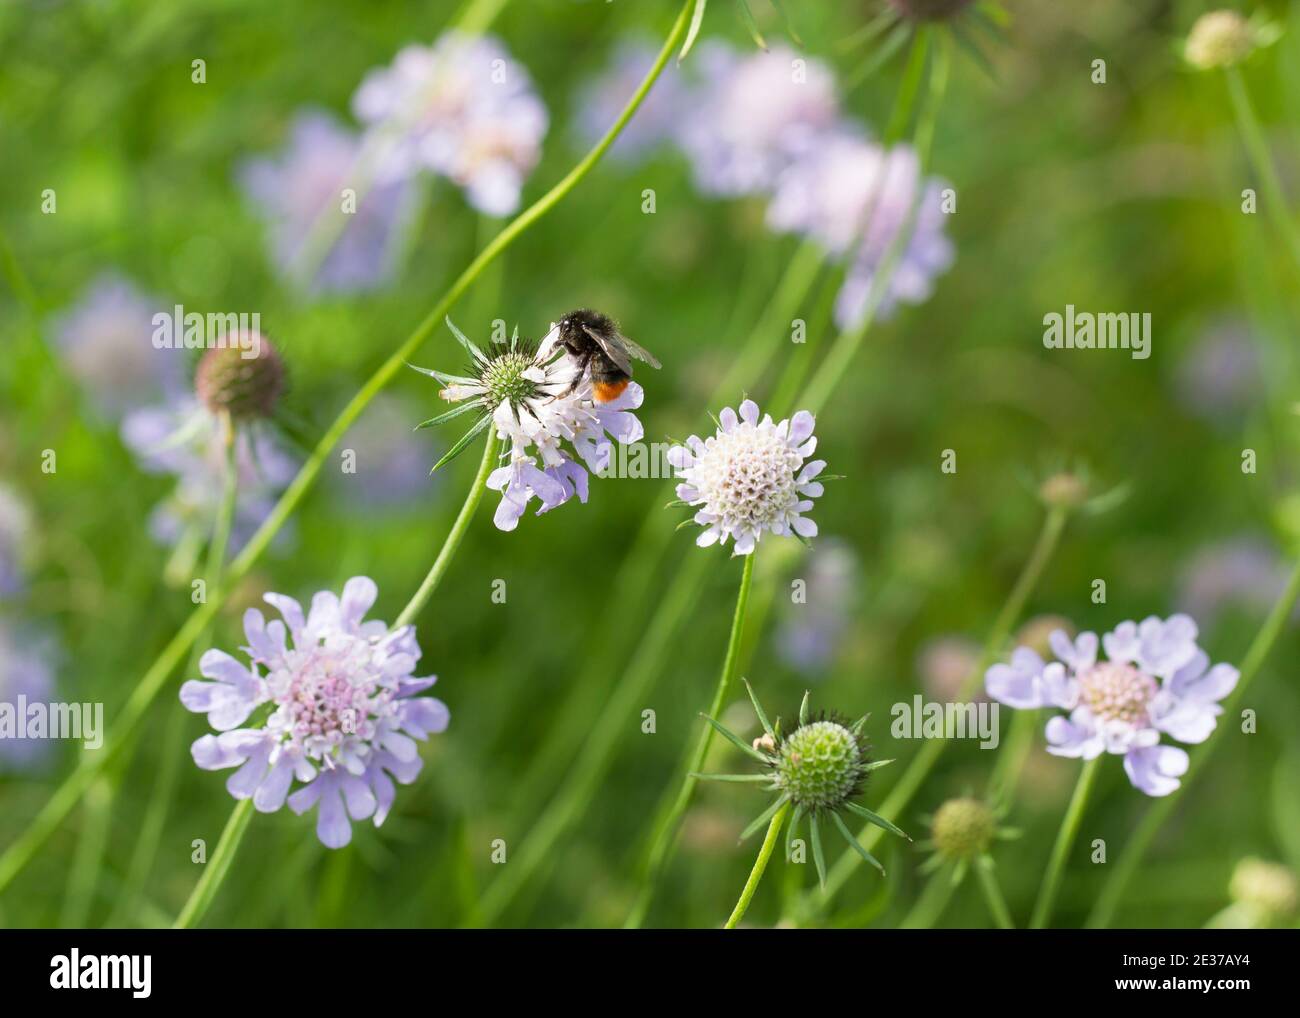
391	465
1242	571
26	669
810	632
944	664
1220	375
344	714
602	98
302	188
753	115
106	341
462	108
183	439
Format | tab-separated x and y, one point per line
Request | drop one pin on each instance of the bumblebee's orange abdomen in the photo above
607	391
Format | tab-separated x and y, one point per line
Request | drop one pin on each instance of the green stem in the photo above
670	814
993	894
215	870
1064	841
760	865
917	771
933	900
146	846
65	797
457	534
1257	149
1011	760
1158	812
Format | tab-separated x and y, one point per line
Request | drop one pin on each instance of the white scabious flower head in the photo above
463	108
335	698
819	769
1156	682
545	412
751	477
1219	39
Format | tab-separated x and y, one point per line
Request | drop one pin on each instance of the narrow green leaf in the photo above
451	414
760	821
803	708
747	16
876	819
465	440
818	858
444	378
868	31
789	25
892	44
697	19
465	341
875	764
758	709
735	740
855	844
789	831
755	778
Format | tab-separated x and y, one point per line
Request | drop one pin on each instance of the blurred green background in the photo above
1115	196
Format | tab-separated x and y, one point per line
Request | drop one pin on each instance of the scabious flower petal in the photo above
343	710
1155	770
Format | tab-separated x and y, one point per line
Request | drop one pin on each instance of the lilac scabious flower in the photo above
1156	682
15	525
303	187
853	197
750	477
753	115
601	100
184	438
338	708
106	340
462	108
26	670
544	407
811	631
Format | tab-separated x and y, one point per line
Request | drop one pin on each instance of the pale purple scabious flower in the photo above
548	418
26	669
302	188
341	714
15	525
602	99
184	439
462	108
1241	571
106	341
1156	681
750	477
753	115
811	631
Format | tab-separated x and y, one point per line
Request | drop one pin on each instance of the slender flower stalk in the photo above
931	902
1257	149
666	825
19	852
760	865
1135	847
917	771
997	902
1064	842
196	905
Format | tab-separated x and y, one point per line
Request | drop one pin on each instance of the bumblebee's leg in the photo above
584	360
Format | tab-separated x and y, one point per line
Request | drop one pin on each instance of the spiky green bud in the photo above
963	828
820	766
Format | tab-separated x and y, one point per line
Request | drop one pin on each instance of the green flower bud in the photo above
963	828
821	765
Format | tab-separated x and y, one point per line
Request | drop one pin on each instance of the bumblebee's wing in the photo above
613	349
639	352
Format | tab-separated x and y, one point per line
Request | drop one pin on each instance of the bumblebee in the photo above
593	340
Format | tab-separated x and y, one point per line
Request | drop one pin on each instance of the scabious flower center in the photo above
748	474
820	765
227	380
505	380
327	695
963	828
1117	692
